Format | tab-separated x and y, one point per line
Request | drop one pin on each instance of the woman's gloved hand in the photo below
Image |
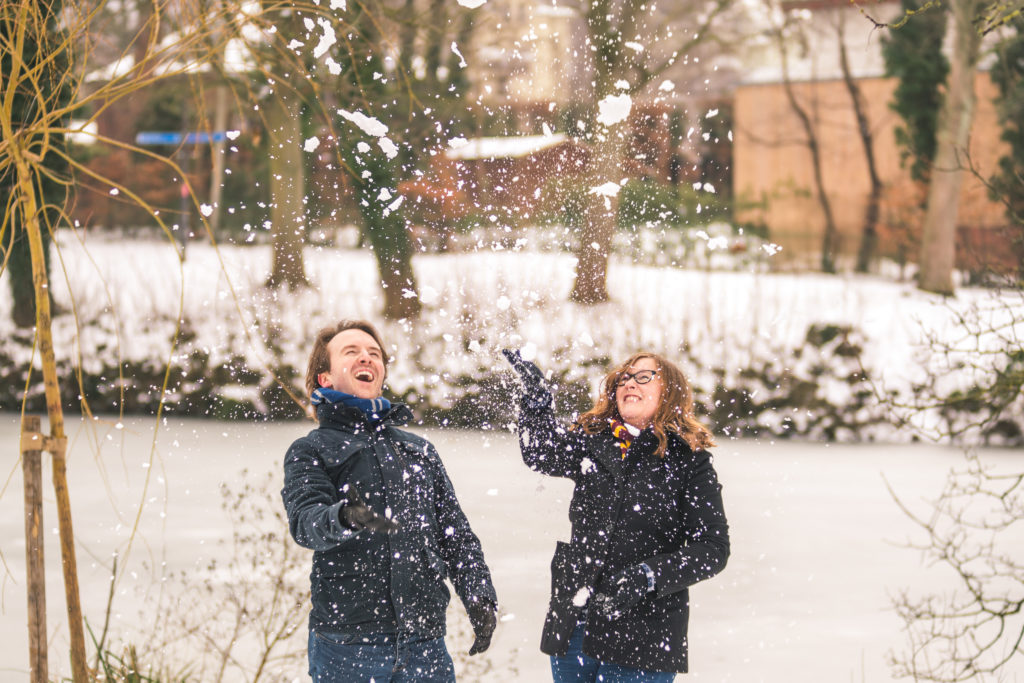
624	590
536	394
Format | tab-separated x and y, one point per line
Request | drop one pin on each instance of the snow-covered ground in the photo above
128	295
817	543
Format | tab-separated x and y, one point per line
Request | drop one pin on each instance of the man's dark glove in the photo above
536	395
356	514
483	616
624	590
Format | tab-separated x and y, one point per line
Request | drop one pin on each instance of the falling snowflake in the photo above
609	189
613	109
311	144
367	124
581	597
326	40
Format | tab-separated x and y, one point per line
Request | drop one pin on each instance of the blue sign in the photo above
154	137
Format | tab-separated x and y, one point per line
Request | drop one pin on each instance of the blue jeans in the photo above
576	667
378	657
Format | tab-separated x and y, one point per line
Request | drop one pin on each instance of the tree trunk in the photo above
829	238
599	220
938	241
869	234
287	188
220	124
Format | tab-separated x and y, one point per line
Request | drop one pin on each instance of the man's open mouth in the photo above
363	375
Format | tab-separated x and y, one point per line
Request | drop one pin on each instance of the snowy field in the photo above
127	296
805	598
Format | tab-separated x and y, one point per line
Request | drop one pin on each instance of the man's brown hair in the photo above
675	411
320	360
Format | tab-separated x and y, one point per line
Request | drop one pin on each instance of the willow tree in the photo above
44	53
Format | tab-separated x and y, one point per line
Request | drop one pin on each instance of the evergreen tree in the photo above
913	54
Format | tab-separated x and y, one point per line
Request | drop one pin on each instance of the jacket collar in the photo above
348	418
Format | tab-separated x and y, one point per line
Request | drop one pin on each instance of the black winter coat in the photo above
666	512
366	581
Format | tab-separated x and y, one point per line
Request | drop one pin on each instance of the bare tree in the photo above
630	44
869	233
786	36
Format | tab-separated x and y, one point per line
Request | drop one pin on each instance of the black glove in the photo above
624	590
356	514
536	395
483	616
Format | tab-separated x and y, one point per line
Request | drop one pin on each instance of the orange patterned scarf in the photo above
622	436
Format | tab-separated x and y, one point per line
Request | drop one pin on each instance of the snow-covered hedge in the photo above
772	355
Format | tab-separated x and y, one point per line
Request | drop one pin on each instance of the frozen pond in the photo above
816	541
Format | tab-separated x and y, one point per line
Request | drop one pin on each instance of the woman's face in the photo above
637	401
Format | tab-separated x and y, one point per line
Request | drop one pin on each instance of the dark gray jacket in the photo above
666	512
364	581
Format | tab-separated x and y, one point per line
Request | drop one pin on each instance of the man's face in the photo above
357	365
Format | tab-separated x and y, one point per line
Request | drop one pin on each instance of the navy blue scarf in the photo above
373	408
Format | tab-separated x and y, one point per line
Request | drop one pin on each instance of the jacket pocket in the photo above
567	577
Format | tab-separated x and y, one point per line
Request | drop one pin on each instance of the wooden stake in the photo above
31	464
55	412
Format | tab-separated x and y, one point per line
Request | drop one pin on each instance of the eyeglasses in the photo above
640	377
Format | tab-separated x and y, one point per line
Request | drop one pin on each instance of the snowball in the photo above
206	210
233	134
362	147
503	303
581	597
587	465
332	66
311	144
367	124
528	351
667	85
613	109
385	194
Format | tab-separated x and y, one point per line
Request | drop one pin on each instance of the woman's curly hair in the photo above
675	406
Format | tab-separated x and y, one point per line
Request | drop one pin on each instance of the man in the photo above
375	504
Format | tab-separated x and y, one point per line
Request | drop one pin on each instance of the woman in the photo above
647	521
